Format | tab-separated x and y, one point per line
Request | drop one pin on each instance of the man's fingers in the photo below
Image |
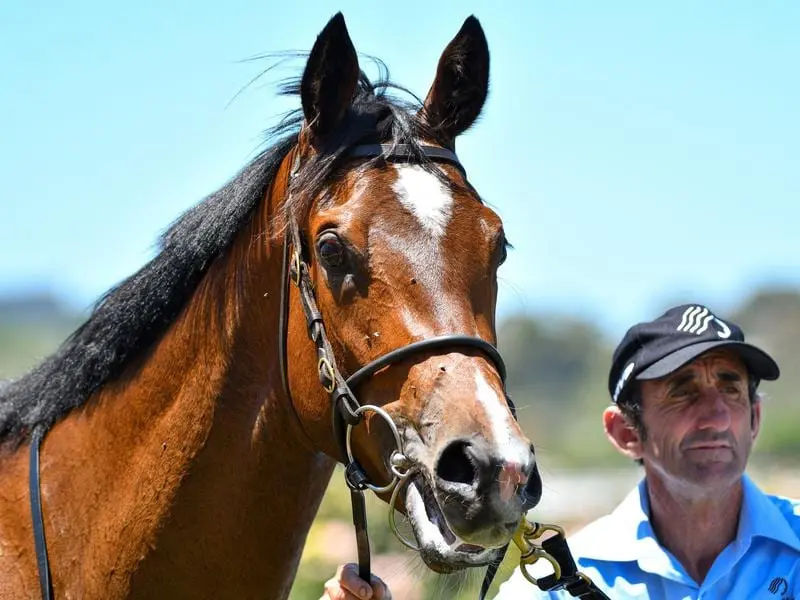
334	591
350	581
347	585
380	589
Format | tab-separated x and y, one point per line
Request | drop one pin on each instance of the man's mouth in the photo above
710	446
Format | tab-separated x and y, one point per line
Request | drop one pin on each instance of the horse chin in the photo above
440	548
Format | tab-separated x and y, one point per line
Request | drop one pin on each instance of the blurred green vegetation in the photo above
557	369
30	328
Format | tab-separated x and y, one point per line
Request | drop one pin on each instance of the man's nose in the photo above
716	412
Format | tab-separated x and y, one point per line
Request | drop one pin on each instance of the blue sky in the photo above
639	153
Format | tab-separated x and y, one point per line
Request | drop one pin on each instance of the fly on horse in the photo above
179	442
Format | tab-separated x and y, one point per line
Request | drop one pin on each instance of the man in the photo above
684	405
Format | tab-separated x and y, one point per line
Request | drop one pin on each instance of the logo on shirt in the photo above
780	586
696	319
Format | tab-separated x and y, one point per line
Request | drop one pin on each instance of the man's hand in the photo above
347	585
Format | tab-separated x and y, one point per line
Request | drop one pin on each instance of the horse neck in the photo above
180	478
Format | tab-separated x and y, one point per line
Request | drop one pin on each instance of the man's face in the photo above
699	422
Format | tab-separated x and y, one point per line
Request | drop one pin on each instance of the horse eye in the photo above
503	252
331	250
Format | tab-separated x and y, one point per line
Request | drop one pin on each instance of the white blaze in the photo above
425	196
508	446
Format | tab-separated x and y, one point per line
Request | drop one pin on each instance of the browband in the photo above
405	152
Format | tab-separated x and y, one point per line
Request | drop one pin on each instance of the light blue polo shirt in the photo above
619	552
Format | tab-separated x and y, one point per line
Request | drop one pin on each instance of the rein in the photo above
347	412
40	543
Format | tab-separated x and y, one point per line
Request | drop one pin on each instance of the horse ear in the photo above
462	82
329	79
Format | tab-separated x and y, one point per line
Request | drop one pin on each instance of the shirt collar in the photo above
626	533
623	535
760	517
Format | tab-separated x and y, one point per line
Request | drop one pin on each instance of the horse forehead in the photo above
412	204
425	196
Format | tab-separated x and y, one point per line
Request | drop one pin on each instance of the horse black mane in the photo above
134	314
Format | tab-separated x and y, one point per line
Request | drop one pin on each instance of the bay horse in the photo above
179	442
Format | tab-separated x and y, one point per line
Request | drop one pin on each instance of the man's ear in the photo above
621	433
755	419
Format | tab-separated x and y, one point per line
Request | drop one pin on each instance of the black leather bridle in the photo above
346	411
344	403
345	406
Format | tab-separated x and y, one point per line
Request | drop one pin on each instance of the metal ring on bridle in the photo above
294	272
398	461
324	363
382	413
392	510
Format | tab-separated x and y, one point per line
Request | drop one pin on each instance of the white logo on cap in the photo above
696	319
622	379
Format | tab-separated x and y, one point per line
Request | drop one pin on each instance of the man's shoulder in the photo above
789	508
771	517
593	530
599	539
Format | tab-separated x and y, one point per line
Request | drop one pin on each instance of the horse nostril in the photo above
532	492
455	465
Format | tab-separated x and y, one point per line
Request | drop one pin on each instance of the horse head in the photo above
399	248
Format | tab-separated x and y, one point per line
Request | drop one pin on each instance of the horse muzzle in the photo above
470	505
